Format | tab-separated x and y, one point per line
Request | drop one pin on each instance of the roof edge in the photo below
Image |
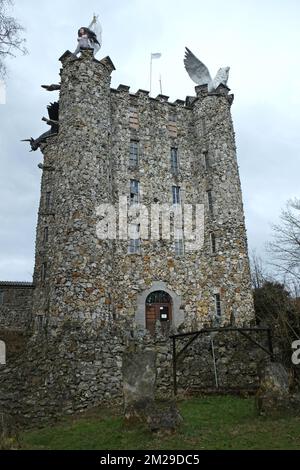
16	284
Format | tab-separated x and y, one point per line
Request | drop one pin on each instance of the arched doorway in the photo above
158	307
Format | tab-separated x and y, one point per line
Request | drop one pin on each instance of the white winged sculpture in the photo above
96	28
91	37
199	73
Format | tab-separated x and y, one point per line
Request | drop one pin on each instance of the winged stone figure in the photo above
53	112
199	73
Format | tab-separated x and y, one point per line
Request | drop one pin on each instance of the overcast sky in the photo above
258	39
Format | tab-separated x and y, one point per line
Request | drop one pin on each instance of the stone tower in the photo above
73	272
117	161
120	149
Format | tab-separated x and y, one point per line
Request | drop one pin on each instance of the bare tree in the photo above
11	39
276	307
258	273
276	293
285	247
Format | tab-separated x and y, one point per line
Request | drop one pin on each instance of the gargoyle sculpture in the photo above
52	87
53	110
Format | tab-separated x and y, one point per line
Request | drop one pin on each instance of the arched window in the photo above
157	297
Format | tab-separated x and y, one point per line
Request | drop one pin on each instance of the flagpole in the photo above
156	55
160	84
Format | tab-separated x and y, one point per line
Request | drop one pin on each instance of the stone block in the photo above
273	397
139	379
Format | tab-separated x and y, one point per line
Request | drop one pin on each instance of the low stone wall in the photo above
64	369
16	305
235	368
15	343
237	361
71	366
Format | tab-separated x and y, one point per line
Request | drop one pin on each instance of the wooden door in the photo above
158	311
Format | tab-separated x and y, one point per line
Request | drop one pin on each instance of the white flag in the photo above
155	55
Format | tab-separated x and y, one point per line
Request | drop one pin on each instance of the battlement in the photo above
144	94
201	91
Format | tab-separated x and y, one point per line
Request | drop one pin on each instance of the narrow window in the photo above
134	154
48	200
1	298
40	320
134	246
218	305
176	194
210	200
213	242
172	117
133	117
174	160
134	240
179	247
172	125
203	126
206	160
43	272
134	191
46	234
133	110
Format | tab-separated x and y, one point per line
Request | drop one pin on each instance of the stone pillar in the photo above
139	380
218	183
274	397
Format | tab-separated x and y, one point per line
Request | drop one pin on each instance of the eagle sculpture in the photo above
199	73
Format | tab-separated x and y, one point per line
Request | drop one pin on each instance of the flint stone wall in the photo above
88	164
15	318
87	290
15	306
70	367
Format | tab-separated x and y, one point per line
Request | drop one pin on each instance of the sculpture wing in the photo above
96	29
221	77
53	110
196	69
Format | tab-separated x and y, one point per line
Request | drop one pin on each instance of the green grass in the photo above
219	422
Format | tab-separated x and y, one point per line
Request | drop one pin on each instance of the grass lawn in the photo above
218	422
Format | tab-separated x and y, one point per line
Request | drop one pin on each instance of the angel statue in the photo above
199	73
91	37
